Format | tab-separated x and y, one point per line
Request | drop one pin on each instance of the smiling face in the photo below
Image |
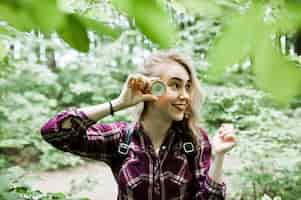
177	97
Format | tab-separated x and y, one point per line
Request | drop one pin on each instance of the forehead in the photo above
171	69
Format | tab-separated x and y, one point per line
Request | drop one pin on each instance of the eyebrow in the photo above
178	79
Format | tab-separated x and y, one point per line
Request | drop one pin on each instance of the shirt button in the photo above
157	188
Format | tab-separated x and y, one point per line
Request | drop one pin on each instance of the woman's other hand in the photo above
224	140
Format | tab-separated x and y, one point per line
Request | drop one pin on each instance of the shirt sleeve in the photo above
85	137
207	187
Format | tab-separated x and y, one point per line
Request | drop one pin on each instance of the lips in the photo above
181	107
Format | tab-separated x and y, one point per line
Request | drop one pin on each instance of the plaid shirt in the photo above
142	174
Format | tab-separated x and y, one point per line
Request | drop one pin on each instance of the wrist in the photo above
117	105
219	156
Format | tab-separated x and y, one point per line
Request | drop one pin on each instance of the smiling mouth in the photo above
180	107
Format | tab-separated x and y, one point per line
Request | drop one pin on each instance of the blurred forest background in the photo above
60	53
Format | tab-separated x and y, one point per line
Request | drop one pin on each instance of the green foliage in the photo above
151	19
74	33
47	17
268	142
53	89
279	182
276	73
34	88
233	46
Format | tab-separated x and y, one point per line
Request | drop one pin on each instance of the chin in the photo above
175	115
178	117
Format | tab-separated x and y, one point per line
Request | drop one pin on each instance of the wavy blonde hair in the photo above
191	122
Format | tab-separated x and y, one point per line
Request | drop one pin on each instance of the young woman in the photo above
164	154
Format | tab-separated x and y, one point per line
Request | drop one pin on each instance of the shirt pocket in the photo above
179	179
133	179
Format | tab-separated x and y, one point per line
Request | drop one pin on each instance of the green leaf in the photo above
16	17
74	33
276	73
123	6
289	17
99	27
46	15
237	40
248	35
151	19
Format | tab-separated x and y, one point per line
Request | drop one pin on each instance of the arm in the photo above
73	131
216	171
97	112
209	184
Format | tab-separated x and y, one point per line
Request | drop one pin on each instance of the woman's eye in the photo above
176	85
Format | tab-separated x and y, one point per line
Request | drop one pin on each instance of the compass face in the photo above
158	88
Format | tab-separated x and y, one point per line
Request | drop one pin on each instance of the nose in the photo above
184	94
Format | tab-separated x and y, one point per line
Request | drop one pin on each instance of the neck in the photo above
155	126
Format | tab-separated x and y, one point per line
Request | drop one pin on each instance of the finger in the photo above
229	138
140	83
136	86
221	133
130	82
146	81
229	131
149	97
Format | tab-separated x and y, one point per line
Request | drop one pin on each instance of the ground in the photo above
93	180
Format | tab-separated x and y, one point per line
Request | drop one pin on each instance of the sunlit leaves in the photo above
99	28
123	6
289	16
247	35
46	17
16	17
74	33
33	14
276	73
237	40
151	19
154	22
149	16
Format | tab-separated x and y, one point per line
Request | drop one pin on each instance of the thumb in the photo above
149	97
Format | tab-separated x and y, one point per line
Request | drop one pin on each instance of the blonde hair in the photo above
193	116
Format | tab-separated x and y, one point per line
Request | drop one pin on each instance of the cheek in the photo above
165	100
169	96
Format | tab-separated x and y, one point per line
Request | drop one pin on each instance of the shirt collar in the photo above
145	140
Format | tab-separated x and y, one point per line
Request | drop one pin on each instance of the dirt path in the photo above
93	180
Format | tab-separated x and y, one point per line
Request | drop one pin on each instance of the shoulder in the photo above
204	145
202	137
